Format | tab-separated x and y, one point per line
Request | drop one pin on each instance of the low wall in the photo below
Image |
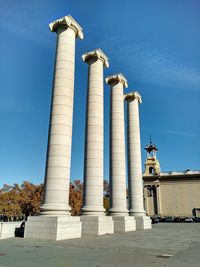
7	229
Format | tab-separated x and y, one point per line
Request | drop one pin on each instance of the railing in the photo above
180	172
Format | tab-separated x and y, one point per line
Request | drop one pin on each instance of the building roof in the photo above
175	174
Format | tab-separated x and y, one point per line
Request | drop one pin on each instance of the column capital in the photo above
132	96
116	78
68	22
98	54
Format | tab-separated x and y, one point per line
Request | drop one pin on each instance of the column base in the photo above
97	225
92	211
124	223
53	228
143	222
54	210
118	212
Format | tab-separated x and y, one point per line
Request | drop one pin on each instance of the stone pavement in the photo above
167	244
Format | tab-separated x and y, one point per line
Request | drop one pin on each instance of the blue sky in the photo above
154	44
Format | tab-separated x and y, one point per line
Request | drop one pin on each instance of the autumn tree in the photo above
20	201
31	198
76	197
10	201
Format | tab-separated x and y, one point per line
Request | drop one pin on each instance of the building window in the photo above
151	170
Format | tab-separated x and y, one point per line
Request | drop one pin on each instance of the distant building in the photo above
171	193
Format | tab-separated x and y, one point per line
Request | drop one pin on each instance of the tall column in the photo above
58	160
94	146
117	146
135	182
146	199
158	195
55	224
118	203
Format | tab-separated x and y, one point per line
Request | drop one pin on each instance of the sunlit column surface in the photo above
58	159
93	165
135	181
118	203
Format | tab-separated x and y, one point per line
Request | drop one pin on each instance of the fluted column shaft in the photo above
118	204
93	161
58	160
136	205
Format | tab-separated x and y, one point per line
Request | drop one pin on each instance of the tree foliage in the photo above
31	198
25	200
10	201
20	201
76	197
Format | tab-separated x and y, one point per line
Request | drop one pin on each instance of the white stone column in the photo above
94	147
117	167
135	181
146	199
118	204
58	160
158	196
57	174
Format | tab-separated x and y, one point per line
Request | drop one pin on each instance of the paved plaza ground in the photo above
167	244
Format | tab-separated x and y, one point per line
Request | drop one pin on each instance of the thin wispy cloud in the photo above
153	65
146	61
34	37
149	62
22	24
170	132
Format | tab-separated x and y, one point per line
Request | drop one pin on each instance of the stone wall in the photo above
172	195
180	197
7	229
